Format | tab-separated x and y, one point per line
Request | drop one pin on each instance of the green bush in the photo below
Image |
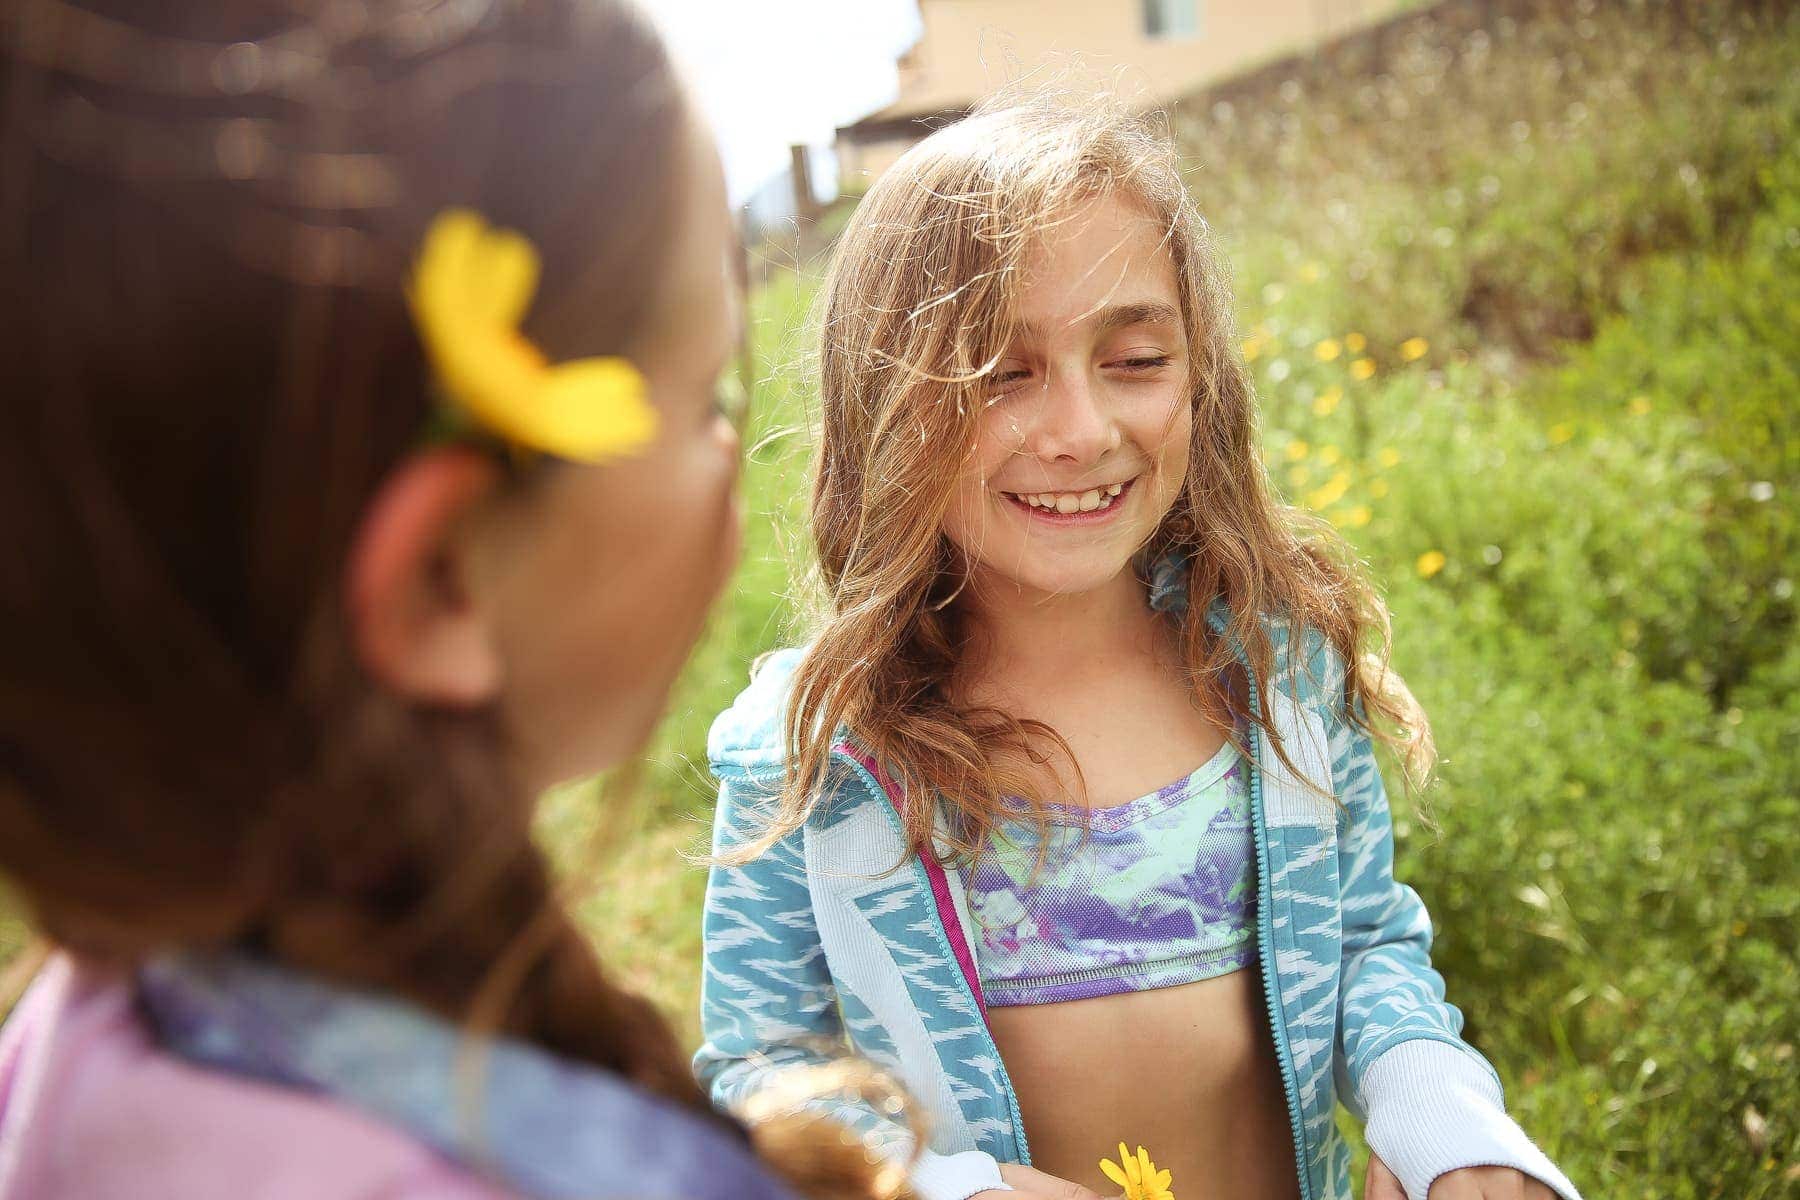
1490	184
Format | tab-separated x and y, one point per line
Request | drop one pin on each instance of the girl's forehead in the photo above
1107	264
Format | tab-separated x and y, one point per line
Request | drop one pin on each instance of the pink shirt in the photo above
92	1107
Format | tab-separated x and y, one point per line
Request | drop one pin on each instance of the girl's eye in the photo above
1001	380
1146	362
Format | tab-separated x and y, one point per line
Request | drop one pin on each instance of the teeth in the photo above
1091	500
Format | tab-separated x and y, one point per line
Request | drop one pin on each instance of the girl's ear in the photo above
413	623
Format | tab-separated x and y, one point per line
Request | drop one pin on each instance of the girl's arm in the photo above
1429	1101
767	1000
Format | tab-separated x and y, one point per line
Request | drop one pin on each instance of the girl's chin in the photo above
1075	575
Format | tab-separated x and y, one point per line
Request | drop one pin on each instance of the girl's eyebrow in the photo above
1142	312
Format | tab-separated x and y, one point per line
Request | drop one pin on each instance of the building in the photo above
1156	51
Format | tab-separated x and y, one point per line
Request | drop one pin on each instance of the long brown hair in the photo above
206	218
917	309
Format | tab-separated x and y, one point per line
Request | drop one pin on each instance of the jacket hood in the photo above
747	736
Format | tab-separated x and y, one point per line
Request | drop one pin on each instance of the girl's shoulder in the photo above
92	1105
746	739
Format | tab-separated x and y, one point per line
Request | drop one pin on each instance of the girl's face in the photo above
1083	446
604	588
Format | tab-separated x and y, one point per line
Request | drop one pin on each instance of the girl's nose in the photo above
1072	420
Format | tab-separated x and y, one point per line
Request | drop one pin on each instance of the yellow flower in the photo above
1414	348
1362	368
1639	405
1298	475
1327	350
1356	517
1378	488
1297	450
1355	343
1327	401
1388	456
1310	272
1329	455
1329	492
1430	563
470	289
1561	432
1138	1175
1252	347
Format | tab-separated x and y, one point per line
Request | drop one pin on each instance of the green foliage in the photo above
1490	187
1612	880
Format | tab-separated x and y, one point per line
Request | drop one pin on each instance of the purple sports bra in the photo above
1161	891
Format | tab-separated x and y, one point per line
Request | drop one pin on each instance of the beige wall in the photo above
971	47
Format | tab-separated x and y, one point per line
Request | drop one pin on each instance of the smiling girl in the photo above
1068	814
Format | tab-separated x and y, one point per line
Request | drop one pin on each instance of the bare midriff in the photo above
1189	1072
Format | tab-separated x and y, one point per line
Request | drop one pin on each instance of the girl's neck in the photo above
1022	637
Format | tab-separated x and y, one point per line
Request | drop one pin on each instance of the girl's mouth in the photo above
1072	508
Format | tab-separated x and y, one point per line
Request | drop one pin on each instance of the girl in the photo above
360	475
947	832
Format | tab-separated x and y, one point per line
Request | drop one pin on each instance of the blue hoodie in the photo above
838	937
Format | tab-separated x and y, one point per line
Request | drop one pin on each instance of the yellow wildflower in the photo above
1138	1175
1362	368
1639	405
1297	450
1430	563
1252	347
1310	272
1378	488
470	289
1298	475
1356	517
1327	350
1329	492
1329	455
1327	401
1561	432
1355	343
1388	456
1414	348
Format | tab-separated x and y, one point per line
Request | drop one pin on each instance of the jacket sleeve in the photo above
1429	1101
768	1002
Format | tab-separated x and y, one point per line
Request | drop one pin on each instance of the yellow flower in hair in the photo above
470	288
1138	1176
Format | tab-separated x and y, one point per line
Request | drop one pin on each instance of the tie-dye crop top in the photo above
1161	891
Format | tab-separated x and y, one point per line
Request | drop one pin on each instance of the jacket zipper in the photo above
1265	936
943	937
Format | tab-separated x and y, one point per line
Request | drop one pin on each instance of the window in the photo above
1171	18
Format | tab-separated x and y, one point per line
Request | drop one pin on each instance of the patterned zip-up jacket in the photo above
839	935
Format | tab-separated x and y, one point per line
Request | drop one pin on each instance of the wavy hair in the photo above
918	308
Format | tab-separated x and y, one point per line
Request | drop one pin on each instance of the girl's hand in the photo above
1028	1184
1470	1183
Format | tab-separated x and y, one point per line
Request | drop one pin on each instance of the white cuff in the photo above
955	1176
1435	1108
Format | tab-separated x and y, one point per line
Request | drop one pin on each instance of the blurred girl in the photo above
1069	812
360	476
